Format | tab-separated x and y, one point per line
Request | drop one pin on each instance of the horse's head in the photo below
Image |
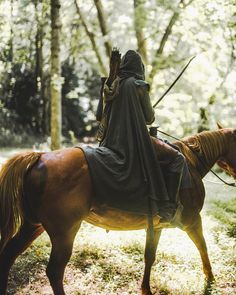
228	161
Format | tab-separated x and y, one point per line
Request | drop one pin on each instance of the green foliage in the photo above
79	100
20	101
202	28
73	114
22	109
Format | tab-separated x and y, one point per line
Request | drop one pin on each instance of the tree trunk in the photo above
56	80
40	82
92	40
10	53
103	26
139	24
10	100
160	49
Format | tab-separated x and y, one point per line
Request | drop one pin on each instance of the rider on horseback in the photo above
127	168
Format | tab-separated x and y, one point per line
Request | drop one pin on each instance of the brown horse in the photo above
53	192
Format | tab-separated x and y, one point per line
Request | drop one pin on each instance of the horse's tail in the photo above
12	176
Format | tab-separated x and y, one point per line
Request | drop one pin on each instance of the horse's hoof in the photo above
208	285
146	292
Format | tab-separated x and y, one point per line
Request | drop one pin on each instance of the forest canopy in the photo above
166	33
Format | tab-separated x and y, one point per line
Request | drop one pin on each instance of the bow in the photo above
177	78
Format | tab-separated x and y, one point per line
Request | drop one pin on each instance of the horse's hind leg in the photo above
27	234
62	244
196	235
149	257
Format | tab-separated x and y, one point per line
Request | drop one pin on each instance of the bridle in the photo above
232	184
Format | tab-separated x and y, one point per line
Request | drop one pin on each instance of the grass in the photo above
225	212
112	263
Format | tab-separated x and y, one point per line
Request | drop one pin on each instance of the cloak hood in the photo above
132	66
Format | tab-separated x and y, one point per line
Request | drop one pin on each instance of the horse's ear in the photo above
219	125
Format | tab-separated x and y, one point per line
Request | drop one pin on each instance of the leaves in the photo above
167	33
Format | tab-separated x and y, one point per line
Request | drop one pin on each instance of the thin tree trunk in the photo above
10	55
55	86
103	26
92	40
139	24
9	61
39	63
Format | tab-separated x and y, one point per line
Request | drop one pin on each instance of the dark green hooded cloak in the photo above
124	169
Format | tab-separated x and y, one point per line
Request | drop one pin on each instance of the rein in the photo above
203	163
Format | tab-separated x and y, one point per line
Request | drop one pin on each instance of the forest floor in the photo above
112	263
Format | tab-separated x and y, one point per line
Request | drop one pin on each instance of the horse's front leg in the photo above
149	256
196	235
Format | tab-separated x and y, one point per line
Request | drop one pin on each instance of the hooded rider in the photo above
125	168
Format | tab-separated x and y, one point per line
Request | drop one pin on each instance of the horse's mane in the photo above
205	146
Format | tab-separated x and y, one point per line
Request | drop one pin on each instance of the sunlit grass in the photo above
226	213
113	263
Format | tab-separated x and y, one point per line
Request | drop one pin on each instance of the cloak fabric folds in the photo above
124	169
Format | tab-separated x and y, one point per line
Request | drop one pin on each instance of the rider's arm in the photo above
143	92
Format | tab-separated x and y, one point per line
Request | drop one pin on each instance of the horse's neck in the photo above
208	147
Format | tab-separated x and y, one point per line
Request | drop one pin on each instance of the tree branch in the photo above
165	38
103	26
92	40
139	22
160	49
